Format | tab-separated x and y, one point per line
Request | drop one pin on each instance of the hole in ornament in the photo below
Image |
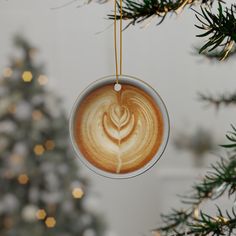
117	87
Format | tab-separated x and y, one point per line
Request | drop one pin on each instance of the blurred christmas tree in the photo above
41	190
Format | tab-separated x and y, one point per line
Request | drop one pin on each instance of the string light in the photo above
37	115
196	213
7	72
27	76
23	179
41	214
39	149
43	80
221	219
50	145
50	222
77	193
225	220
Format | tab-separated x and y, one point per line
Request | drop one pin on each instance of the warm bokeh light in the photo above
41	214
7	72
37	115
27	76
50	222
225	220
39	150
196	213
77	193
43	80
23	179
50	144
221	219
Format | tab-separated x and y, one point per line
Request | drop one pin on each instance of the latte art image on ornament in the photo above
119	133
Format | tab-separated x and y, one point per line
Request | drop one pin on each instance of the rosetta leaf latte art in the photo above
118	132
118	123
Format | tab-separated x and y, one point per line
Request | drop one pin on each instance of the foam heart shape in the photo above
118	123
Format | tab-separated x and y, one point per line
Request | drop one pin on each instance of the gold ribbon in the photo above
118	71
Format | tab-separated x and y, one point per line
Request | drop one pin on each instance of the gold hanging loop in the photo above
121	36
118	72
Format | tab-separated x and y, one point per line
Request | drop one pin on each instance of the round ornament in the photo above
119	130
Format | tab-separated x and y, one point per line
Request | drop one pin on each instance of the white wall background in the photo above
162	56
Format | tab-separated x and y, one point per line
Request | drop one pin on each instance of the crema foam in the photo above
118	131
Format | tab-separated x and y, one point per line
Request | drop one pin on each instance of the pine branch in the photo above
183	223
175	221
222	177
220	28
209	225
139	11
216	182
231	136
228	99
215	55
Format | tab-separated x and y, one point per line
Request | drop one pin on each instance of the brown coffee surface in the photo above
118	132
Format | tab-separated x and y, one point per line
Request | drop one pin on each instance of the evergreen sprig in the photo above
231	136
220	28
220	179
215	55
139	11
175	221
189	223
223	99
209	225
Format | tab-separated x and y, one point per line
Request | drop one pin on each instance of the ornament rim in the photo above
140	84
